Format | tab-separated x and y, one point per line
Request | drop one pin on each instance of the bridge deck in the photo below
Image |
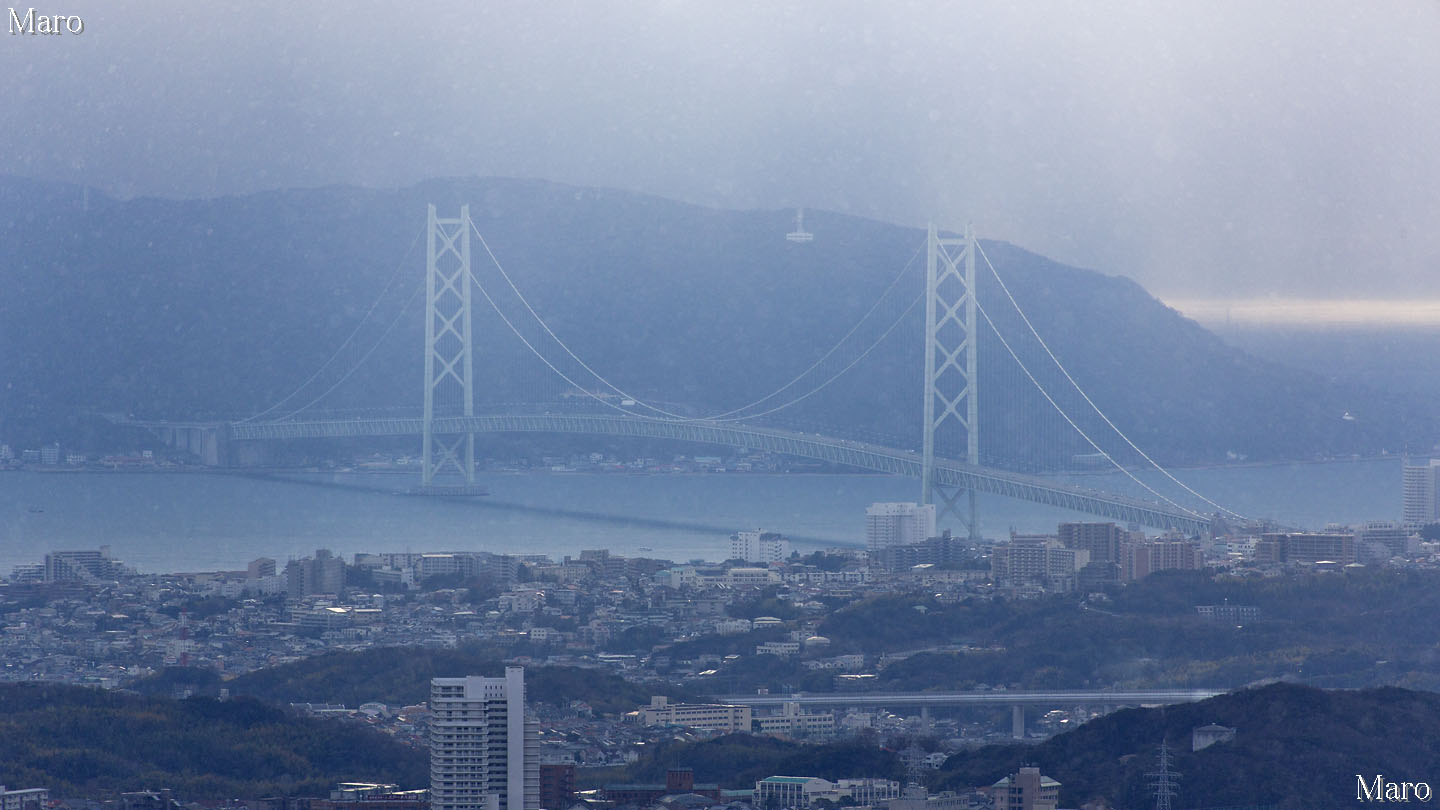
864	456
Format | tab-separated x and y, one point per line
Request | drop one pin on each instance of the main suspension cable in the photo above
1066	416
723	416
1086	397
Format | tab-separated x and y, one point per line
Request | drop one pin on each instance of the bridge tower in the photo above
448	366
951	382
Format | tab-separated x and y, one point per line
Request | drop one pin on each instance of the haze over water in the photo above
199	522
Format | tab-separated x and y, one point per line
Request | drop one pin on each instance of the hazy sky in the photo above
1206	149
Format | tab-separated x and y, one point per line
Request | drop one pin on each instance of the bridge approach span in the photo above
864	456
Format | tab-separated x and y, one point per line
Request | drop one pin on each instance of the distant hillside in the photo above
91	743
1296	747
210	308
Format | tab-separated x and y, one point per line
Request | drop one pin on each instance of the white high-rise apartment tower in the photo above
484	751
1421	499
898	524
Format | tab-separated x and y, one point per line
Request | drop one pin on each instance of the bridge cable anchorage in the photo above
393	276
1086	397
388	329
723	416
1071	422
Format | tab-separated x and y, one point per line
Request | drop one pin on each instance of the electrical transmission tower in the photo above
1165	780
951	382
448	365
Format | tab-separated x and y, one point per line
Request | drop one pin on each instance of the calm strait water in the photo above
161	522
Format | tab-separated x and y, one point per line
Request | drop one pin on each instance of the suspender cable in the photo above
346	342
720	416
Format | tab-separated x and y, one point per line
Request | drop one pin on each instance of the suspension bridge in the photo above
948	461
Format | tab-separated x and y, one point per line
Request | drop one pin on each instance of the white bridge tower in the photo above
951	384
448	366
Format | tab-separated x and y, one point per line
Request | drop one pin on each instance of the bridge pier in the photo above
1017	721
208	443
250	454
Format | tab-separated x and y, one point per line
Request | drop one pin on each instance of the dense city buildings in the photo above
1098	553
79	566
704	628
943	550
484	749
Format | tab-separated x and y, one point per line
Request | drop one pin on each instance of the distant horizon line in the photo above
1317	312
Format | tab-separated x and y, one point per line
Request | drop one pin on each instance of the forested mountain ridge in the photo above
88	742
1295	747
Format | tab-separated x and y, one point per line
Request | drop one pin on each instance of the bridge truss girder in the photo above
948	472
